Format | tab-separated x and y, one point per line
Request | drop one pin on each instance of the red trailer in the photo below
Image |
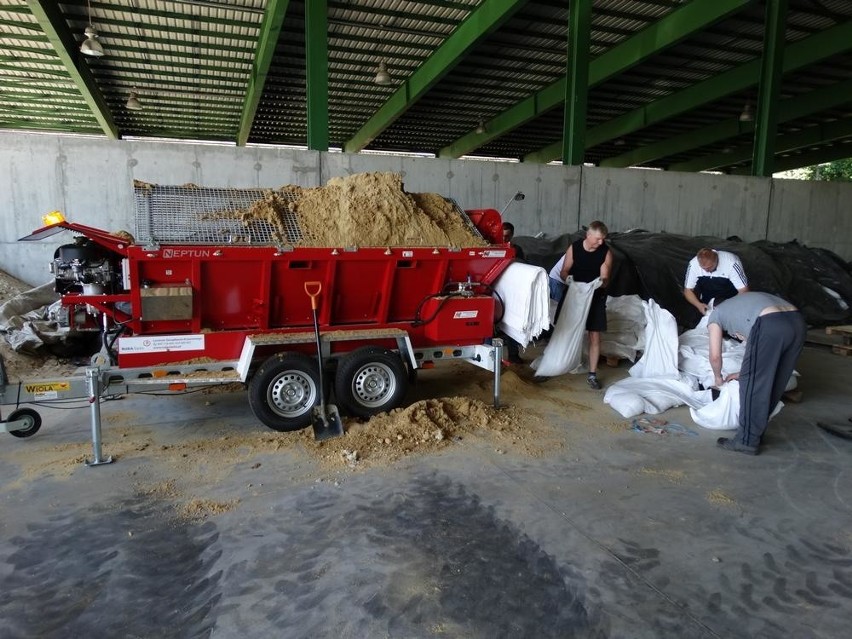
200	297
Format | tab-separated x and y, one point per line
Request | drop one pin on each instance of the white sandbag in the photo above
564	352
634	396
694	354
625	333
723	413
661	345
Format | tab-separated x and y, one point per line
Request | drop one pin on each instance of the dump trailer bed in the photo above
203	282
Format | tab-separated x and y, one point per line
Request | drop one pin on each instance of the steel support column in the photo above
577	82
770	87
316	55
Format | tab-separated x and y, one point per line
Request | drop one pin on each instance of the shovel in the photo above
327	422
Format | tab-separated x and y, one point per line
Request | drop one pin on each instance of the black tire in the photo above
370	380
284	391
32	418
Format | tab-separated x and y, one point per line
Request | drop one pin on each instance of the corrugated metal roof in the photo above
192	64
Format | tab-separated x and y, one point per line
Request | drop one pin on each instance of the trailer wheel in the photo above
283	392
370	380
30	417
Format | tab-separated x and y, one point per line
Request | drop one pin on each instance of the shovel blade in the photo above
327	422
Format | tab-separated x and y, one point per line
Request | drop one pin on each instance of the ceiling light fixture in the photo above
91	46
133	103
480	128
382	76
748	114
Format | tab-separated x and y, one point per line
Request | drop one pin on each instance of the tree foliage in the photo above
837	171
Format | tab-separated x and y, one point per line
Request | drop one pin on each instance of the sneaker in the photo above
730	444
593	382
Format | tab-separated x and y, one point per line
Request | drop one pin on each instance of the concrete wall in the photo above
90	180
685	203
814	216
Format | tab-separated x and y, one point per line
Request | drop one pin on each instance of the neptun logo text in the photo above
173	253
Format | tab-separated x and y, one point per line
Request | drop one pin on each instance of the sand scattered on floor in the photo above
675	476
197	510
718	497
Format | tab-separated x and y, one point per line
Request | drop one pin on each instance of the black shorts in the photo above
597	312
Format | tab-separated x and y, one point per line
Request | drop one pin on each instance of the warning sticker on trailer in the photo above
161	344
465	314
47	388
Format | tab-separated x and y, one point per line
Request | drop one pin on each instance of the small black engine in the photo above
84	267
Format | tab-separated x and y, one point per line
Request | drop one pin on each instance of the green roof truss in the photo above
480	23
811	136
664	33
791	109
56	29
270	28
797	55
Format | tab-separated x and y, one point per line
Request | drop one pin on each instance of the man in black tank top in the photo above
585	260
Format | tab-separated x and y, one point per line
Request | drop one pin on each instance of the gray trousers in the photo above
774	344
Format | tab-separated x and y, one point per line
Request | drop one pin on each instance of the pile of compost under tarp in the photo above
653	266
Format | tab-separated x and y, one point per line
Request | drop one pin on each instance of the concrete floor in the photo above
614	534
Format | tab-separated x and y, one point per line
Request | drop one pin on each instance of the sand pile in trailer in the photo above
372	209
365	209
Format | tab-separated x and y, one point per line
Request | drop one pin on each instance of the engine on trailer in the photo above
84	267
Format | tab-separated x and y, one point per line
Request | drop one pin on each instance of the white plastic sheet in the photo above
524	291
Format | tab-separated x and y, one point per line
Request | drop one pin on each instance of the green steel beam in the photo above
807	137
160	12
832	41
480	23
53	23
316	55
267	40
828	154
44	126
19	25
772	63
669	30
193	33
798	107
577	82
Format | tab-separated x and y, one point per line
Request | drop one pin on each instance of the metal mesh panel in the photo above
463	215
219	216
200	215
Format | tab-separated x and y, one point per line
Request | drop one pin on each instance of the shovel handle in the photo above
313	289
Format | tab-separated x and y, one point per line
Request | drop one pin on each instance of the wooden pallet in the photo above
845	333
